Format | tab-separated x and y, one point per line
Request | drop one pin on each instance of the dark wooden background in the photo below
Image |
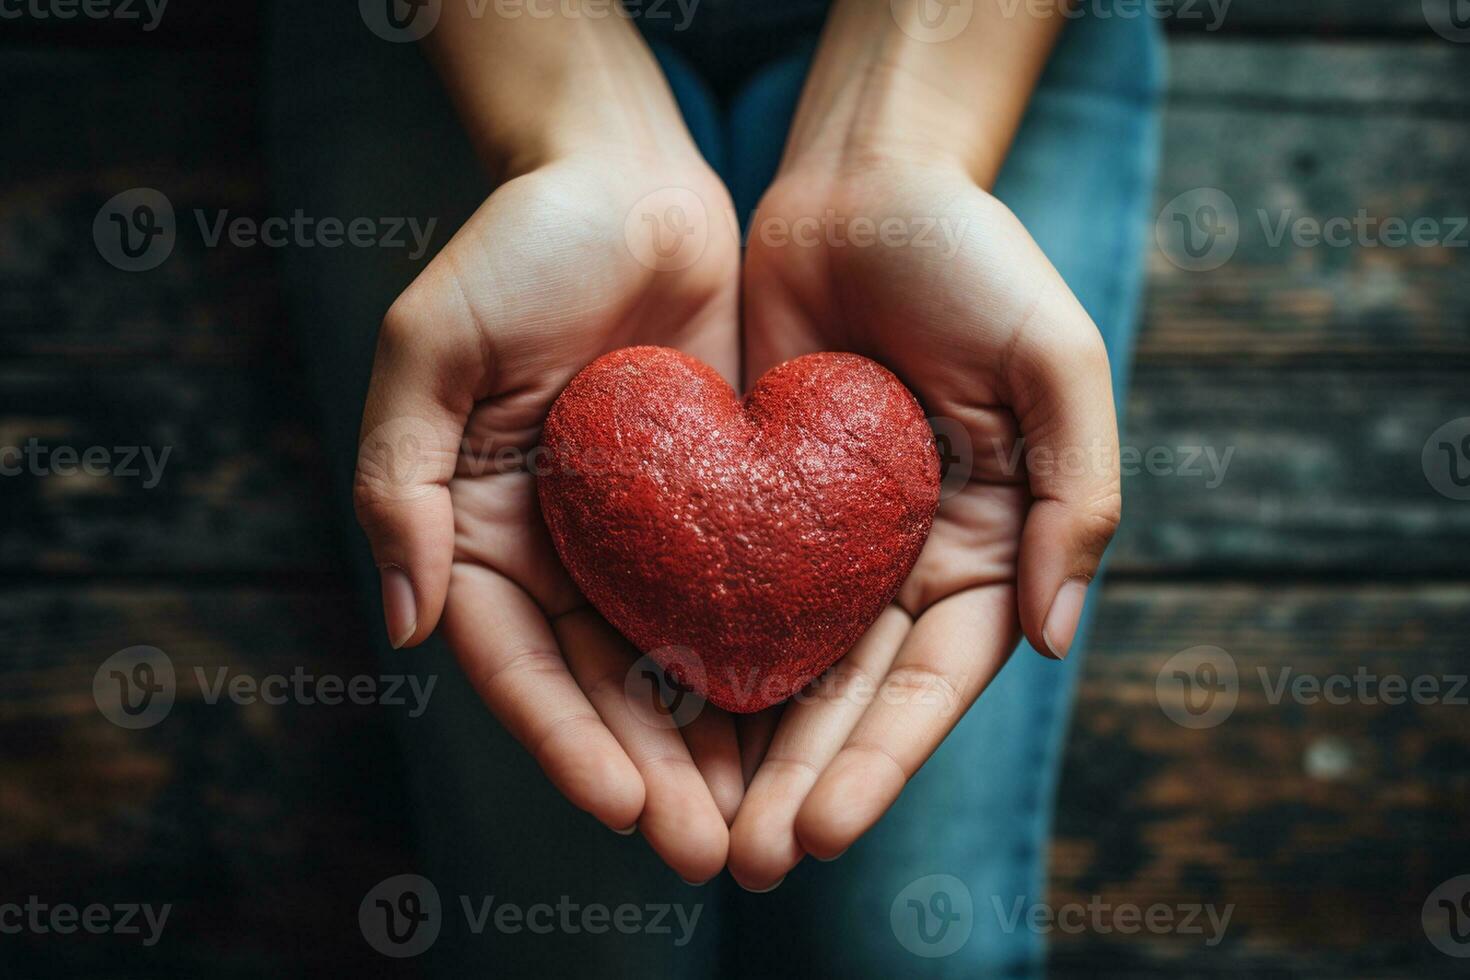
1324	549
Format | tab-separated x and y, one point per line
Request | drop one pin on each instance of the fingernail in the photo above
694	884
769	888
835	856
400	610
626	832
1066	613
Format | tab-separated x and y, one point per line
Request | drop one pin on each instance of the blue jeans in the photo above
358	126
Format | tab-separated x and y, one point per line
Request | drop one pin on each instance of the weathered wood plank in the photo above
72	138
1326	824
261	824
1386	142
1318	17
206	471
1326	474
1296	130
206	25
1357	75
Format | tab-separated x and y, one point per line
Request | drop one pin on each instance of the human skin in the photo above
575	123
908	133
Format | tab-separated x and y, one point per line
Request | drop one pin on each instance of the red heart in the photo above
745	547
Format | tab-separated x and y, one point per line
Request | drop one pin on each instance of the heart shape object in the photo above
744	546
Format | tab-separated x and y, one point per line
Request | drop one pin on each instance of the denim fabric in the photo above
359	126
1080	177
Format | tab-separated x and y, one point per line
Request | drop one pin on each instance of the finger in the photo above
716	752
425	374
1063	399
680	819
507	650
763	843
953	651
754	732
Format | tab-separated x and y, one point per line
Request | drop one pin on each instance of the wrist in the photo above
871	124
884	89
534	90
614	128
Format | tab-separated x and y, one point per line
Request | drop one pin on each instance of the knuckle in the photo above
1108	512
1089	349
435	323
671	765
389	474
534	661
842	682
398	327
368	498
921	684
400	459
1075	342
373	498
876	758
795	766
1100	523
548	744
606	686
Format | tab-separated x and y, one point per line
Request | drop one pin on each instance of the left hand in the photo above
958	301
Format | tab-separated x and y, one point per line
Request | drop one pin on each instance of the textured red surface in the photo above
745	547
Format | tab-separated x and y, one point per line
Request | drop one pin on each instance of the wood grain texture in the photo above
1322	823
202	25
1294	129
1327	825
1322	369
257	822
73	137
1326	475
1414	75
237	489
1312	17
1298	133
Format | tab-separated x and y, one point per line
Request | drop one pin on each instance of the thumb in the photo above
412	425
1063	399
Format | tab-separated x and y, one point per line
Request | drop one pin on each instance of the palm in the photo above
913	306
549	274
942	301
569	290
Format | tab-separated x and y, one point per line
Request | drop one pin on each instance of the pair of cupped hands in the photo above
548	275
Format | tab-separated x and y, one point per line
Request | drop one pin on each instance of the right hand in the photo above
550	273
